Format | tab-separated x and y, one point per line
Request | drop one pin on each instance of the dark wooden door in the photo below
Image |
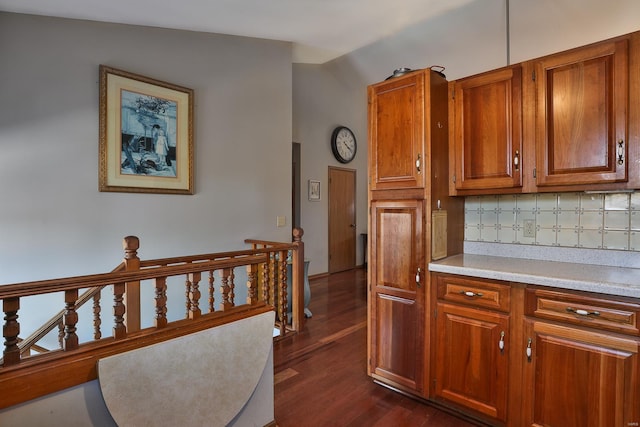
396	117
487	130
397	301
581	117
342	219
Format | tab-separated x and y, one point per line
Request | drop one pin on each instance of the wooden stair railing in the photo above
29	342
297	281
24	377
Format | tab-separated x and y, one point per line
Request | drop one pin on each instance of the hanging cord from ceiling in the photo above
508	35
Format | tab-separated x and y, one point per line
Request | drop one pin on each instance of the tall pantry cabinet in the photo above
411	220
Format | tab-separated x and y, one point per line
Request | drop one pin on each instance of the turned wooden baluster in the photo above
161	302
187	304
97	321
119	309
212	299
60	333
232	287
282	290
194	295
11	330
225	304
70	320
252	284
266	289
273	277
131	244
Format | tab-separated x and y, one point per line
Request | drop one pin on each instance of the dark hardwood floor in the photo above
320	374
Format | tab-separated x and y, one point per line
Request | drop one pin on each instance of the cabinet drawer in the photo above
474	292
594	312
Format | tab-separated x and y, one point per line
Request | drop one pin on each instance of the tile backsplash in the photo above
580	220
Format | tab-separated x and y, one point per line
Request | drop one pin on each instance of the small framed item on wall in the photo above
146	134
314	190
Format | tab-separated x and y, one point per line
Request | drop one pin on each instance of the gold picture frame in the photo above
146	134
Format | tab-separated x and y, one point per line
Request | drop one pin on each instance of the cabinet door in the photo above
472	360
397	298
487	128
581	117
396	133
579	378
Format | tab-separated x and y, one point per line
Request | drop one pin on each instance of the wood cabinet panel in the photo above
474	292
486	132
581	115
587	311
397	299
397	341
471	369
580	378
396	124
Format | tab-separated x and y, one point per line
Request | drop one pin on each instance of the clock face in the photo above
343	144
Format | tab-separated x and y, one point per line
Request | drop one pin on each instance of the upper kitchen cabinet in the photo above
564	122
485	113
581	127
396	132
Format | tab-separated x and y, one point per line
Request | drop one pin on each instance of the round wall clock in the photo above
343	144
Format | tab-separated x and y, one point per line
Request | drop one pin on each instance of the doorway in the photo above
342	219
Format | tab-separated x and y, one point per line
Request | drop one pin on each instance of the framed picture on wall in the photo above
146	134
314	190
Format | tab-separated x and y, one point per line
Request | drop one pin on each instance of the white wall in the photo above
316	113
466	41
53	220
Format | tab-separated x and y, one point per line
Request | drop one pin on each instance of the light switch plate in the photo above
281	221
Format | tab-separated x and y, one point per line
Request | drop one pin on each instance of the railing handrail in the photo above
269	243
88	281
213	256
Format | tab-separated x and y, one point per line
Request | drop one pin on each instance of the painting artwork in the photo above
146	134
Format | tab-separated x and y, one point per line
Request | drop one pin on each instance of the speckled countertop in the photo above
602	271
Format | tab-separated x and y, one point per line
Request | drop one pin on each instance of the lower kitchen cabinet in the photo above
580	378
471	341
518	355
472	359
397	295
577	372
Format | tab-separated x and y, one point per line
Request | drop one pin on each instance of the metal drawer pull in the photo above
621	152
471	294
529	350
501	342
582	312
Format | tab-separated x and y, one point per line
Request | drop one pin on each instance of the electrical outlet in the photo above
529	228
281	221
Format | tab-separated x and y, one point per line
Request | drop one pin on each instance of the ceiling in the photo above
319	30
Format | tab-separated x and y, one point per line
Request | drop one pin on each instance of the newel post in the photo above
131	244
297	280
